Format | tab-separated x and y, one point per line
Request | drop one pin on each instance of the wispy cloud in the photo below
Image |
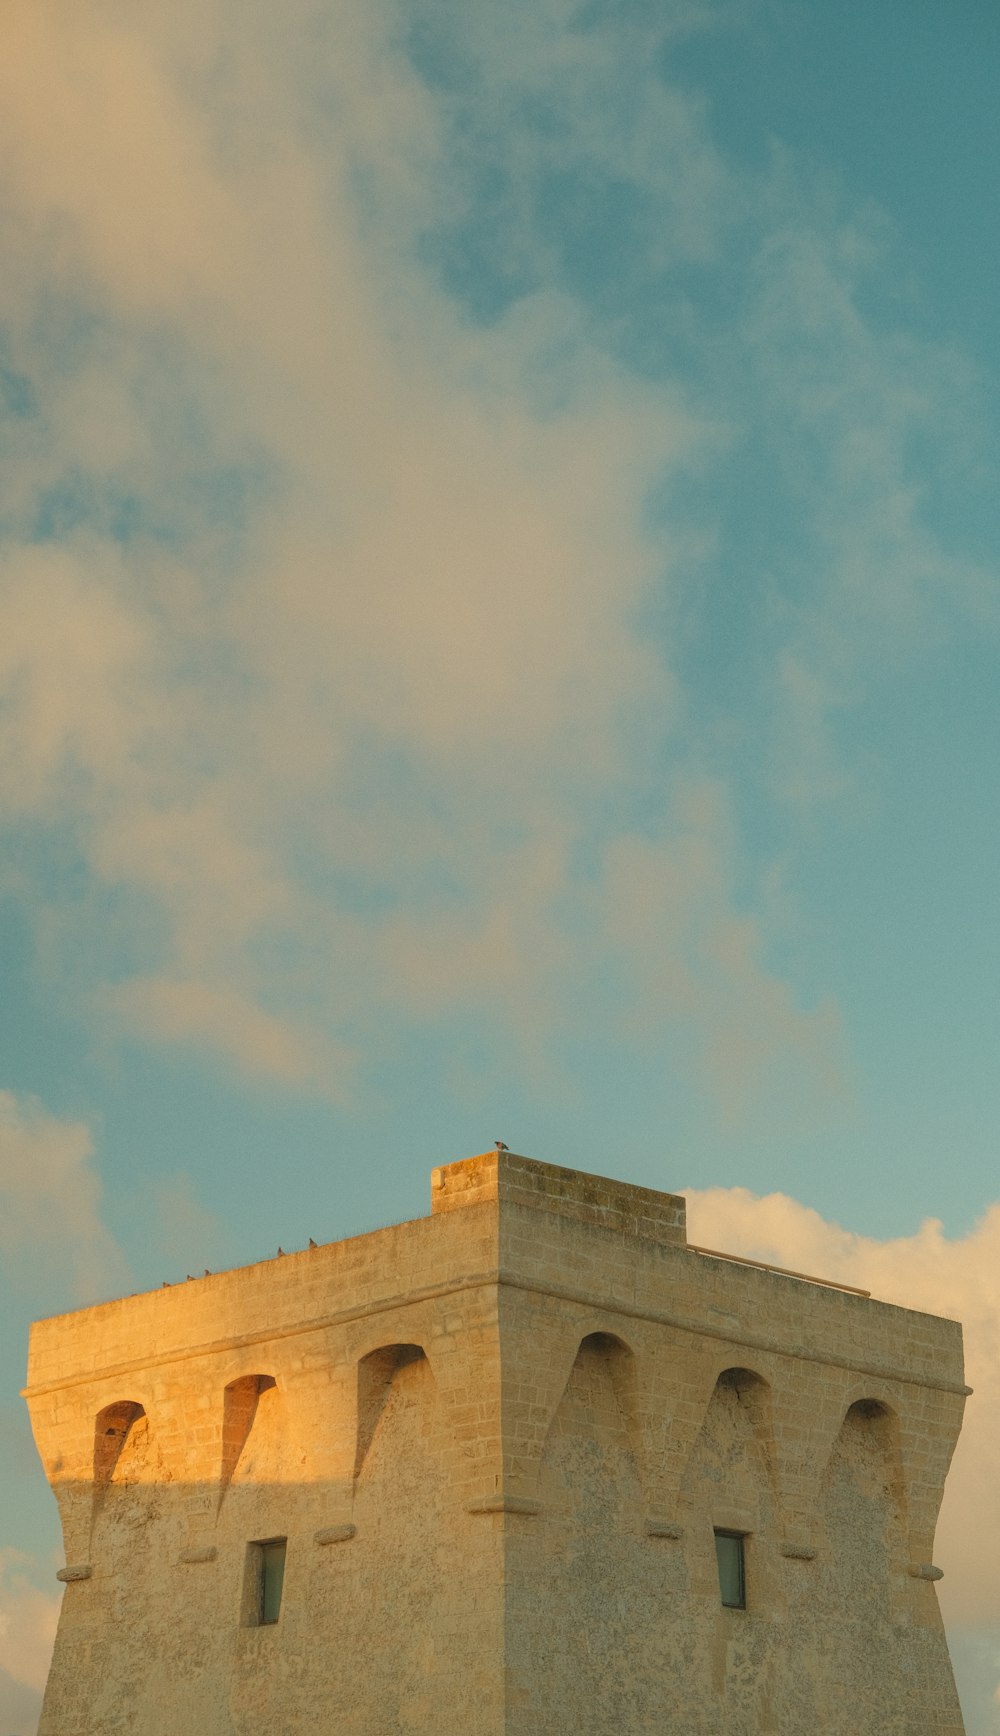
324	590
269	1048
846	400
28	1619
670	902
51	1221
429	656
27	1623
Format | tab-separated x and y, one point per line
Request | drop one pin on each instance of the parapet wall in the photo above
510	1180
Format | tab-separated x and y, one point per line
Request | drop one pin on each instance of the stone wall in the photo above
498	1441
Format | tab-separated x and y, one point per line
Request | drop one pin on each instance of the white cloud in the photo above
703	971
975	1654
269	1048
28	1619
420	667
72	660
843	401
185	1230
50	1195
20	1707
337	721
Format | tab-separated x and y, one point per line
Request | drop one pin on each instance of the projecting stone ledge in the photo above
504	1504
664	1528
335	1534
512	1180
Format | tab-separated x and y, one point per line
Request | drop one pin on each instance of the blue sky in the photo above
500	628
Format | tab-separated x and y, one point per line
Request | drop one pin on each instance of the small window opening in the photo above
265	1579
729	1553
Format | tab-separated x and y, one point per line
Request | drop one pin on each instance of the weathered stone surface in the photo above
525	1415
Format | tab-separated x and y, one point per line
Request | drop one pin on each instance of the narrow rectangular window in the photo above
265	1577
272	1574
732	1569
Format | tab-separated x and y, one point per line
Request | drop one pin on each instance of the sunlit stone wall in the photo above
498	1441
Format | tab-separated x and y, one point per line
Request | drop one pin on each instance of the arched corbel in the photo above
375	1376
239	1408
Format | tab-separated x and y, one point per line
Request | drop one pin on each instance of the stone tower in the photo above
532	1466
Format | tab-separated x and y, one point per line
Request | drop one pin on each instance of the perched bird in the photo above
312	1244
207	1272
280	1254
500	1145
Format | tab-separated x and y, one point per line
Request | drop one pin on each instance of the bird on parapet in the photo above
500	1145
313	1244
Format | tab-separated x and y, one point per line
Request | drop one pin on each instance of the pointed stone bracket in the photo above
664	1528
335	1534
798	1551
925	1570
69	1575
192	1557
504	1504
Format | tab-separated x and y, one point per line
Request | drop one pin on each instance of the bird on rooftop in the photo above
500	1145
280	1254
312	1244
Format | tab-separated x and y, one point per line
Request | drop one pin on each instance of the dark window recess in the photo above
265	1577
729	1554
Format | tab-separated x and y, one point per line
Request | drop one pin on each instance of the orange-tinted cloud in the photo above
417	666
50	1203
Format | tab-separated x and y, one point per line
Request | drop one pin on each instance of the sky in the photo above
499	639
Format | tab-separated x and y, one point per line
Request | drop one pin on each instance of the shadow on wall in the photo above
649	1610
200	1600
194	1601
863	1508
